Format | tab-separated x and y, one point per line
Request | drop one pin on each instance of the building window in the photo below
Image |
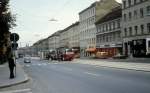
102	28
107	38
136	30
103	38
129	2
130	31
106	27
110	26
135	14
118	23
130	15
125	17
113	25
141	12
148	10
124	4
142	29
148	27
125	32
114	36
135	1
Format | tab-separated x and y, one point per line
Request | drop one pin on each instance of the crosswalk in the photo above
18	91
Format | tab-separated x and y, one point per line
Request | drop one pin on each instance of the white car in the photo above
27	59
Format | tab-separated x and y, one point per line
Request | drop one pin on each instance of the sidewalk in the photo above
4	76
112	63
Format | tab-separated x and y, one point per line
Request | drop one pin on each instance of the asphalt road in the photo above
66	77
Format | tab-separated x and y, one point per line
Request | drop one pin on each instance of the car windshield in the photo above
74	46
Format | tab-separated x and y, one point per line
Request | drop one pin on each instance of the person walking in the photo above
12	65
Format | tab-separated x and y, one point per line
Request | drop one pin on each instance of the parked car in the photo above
67	55
102	55
27	59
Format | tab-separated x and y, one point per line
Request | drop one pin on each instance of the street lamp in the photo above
53	19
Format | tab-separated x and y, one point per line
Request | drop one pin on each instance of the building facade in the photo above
88	17
41	48
64	38
87	29
108	35
136	27
74	36
53	41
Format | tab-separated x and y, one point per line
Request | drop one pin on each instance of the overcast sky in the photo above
33	17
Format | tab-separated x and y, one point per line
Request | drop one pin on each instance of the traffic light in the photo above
14	37
14	45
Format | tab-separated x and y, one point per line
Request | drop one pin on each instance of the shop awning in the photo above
91	50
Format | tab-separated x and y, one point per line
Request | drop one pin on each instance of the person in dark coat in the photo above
11	64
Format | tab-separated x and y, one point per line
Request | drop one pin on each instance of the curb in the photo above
17	83
26	79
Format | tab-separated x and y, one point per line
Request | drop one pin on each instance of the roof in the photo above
92	5
114	14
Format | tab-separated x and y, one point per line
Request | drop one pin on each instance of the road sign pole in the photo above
14	38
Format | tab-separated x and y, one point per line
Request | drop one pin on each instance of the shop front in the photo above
111	50
136	48
91	52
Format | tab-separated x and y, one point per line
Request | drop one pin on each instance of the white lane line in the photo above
91	74
18	91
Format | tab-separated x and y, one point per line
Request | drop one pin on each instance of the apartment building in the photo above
64	38
53	41
88	17
136	27
108	35
74	36
41	48
69	37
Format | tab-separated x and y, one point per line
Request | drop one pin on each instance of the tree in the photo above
7	21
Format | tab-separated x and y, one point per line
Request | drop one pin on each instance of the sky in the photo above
33	17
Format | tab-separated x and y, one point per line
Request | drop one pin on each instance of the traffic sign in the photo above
14	37
14	45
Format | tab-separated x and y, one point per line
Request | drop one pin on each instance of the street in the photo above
68	77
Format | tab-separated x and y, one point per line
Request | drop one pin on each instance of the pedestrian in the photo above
11	64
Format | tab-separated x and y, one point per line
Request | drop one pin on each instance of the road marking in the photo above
91	74
18	91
